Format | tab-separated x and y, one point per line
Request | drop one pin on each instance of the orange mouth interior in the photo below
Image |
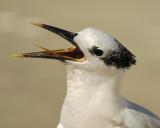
72	53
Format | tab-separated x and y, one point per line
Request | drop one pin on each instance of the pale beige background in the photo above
32	90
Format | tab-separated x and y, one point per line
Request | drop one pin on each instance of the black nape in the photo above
121	57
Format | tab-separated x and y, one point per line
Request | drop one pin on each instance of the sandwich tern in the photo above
95	65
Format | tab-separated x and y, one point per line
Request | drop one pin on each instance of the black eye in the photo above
97	51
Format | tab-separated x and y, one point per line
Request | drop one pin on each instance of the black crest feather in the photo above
121	57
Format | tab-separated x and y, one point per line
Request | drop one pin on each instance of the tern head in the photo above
91	49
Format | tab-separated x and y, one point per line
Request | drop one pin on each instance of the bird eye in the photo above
97	51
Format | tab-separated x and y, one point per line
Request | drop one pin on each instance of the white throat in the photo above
95	94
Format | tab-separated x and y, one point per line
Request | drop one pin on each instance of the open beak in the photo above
74	53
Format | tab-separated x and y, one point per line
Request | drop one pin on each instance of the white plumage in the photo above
95	67
93	97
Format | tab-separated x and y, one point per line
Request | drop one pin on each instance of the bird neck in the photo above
91	83
87	91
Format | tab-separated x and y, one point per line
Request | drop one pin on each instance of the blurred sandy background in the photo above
32	90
